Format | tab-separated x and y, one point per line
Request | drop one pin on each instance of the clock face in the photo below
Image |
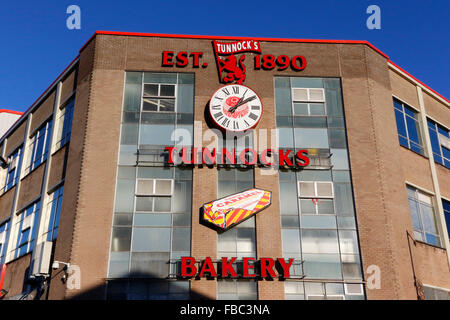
235	107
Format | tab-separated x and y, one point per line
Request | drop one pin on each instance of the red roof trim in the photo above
11	111
163	35
181	36
423	84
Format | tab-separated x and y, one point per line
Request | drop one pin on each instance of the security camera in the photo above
55	265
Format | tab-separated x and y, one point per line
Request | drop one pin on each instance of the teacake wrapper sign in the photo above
229	211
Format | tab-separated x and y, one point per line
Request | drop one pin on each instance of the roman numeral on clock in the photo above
236	90
225	90
226	122
253	116
218	107
256	107
235	125
219	115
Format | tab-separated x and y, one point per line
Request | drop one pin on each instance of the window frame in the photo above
159	97
64	139
32	161
17	168
18	230
423	232
435	128
404	115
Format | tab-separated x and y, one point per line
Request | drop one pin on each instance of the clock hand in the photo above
240	103
233	108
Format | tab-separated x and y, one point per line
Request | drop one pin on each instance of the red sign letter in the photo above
282	158
167	59
301	155
188	263
265	267
228	266
182	59
247	267
208	267
212	157
285	267
195	59
170	149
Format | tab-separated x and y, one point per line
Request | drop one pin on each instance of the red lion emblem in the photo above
235	71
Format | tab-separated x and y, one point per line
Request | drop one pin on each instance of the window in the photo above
239	241
4	227
408	127
159	97
38	147
153	195
64	123
25	231
13	170
423	217
446	206
52	214
440	143
308	101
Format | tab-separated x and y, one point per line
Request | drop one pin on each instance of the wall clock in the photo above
235	107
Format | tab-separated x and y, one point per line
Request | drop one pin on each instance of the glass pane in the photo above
307	189
307	206
343	199
288	198
316	109
413	130
351	267
162	204
181	240
291	241
289	222
118	265
151	239
301	109
167	90
322	266
311	138
319	241
283	96
121	239
153	77
185	98
324	189
150	90
310	122
152	219
145	187
150	104
285	137
429	223
163	187
314	175
167	105
156	134
144	204
325	206
318	222
339	159
124	195
149	265
348	241
337	138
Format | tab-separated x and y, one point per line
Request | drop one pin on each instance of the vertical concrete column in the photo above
438	200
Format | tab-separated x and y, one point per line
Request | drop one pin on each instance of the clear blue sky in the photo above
37	46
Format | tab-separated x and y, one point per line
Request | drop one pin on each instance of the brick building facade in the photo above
80	161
